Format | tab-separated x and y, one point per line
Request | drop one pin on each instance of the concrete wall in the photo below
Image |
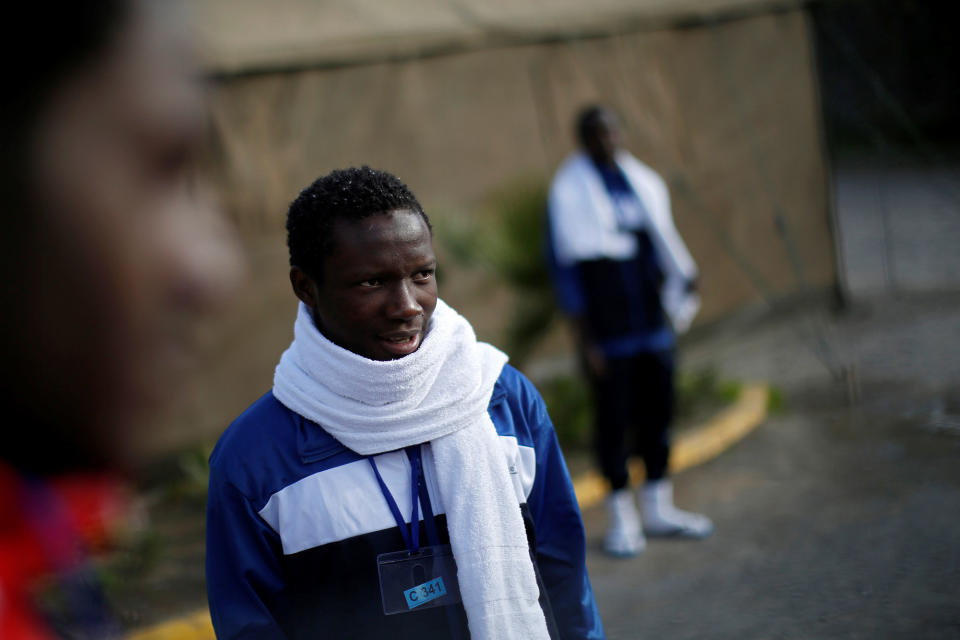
727	112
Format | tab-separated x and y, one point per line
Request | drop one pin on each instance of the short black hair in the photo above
345	194
588	118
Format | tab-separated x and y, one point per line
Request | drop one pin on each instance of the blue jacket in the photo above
295	521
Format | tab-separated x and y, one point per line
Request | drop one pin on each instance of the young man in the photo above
623	276
386	407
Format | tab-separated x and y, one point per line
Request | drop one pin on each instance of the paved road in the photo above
839	518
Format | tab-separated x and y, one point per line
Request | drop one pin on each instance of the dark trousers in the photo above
634	407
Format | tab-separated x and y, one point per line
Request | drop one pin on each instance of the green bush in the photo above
506	239
570	405
700	393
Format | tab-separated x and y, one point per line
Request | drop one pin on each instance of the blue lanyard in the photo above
418	491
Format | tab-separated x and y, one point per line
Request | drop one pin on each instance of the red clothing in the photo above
46	526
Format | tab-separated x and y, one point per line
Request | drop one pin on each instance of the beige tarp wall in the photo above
727	112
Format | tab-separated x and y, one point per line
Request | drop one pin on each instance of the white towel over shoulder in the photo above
584	226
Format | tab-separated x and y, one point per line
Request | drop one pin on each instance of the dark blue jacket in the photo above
295	521
618	300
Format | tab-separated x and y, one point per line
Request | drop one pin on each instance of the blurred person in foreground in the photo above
627	282
400	480
106	262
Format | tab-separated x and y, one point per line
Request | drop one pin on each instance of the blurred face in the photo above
603	138
378	289
127	255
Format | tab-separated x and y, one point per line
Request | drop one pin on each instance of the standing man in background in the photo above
627	282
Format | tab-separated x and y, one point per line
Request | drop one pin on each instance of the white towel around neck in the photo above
437	394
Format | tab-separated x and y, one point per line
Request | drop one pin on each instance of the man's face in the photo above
378	287
130	257
603	138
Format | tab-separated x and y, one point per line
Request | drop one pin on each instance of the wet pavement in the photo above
837	518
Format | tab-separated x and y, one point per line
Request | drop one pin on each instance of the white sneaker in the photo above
624	535
661	518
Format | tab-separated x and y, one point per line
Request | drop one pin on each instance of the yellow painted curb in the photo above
694	446
195	626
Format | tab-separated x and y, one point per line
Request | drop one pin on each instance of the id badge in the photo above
416	581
